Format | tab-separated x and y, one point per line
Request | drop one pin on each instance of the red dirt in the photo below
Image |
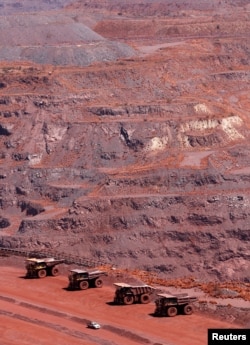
124	133
39	310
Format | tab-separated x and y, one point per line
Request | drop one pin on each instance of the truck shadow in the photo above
25	277
71	290
66	289
154	315
111	303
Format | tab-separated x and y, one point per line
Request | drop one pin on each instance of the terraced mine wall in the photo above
139	156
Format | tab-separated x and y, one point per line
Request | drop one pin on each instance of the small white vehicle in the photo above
94	325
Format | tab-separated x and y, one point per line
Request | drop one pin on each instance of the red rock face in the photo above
124	134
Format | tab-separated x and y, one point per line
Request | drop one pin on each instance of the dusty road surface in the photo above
39	311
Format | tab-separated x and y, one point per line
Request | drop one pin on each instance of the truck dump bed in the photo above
89	273
47	261
136	289
177	298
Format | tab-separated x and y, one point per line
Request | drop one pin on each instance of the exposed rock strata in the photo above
143	161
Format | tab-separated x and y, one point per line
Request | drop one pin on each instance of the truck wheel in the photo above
188	309
84	285
55	271
41	273
144	299
172	311
128	300
98	283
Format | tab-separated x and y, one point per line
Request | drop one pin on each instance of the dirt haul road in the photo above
41	310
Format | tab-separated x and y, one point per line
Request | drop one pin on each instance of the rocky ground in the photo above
124	133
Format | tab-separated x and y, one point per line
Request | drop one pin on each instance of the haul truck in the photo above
79	279
40	268
171	305
129	294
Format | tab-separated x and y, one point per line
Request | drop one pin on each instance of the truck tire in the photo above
55	271
172	311
144	299
41	273
83	285
128	300
98	283
188	309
